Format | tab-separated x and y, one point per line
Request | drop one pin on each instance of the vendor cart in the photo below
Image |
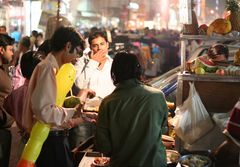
218	94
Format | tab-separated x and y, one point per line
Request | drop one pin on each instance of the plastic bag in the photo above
193	120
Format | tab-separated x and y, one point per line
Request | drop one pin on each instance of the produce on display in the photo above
219	26
71	102
236	60
206	64
233	7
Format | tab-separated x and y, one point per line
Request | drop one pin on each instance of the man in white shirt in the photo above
93	72
93	69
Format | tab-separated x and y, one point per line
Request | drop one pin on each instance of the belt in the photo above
56	133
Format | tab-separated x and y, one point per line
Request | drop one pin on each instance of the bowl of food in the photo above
101	161
195	160
172	157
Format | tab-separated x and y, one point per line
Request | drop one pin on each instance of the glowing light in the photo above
133	5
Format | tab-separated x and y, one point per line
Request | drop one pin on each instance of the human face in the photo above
72	56
6	54
219	58
99	43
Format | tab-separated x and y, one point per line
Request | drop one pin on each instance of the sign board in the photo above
185	11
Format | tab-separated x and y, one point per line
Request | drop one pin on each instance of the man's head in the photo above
28	63
25	43
44	49
3	29
70	41
125	66
6	48
218	53
98	41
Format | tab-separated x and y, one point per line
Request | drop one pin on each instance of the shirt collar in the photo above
51	58
128	83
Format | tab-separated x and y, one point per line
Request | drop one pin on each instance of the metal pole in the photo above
58	14
30	6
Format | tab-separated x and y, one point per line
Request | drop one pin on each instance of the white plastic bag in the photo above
192	119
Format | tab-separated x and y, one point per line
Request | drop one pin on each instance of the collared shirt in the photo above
5	89
5	85
17	78
41	97
90	76
129	125
14	103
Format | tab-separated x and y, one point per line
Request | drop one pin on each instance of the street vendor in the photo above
218	54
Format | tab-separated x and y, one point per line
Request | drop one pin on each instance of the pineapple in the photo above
191	29
234	7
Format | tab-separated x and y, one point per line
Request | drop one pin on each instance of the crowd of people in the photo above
28	91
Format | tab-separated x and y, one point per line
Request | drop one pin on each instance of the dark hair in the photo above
125	66
97	34
218	49
34	33
66	34
44	48
6	40
28	63
40	35
25	41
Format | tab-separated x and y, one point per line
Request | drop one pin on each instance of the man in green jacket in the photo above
130	120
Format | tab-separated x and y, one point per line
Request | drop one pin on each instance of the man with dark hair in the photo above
93	72
93	69
66	45
130	120
3	29
17	77
6	54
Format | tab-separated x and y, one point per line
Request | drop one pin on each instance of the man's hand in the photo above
90	116
100	56
86	93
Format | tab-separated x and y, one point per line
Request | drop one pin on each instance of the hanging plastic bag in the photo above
192	119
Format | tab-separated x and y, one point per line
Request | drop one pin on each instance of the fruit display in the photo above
219	26
230	70
233	7
71	102
236	60
205	64
202	29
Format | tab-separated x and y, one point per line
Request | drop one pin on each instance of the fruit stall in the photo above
217	86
